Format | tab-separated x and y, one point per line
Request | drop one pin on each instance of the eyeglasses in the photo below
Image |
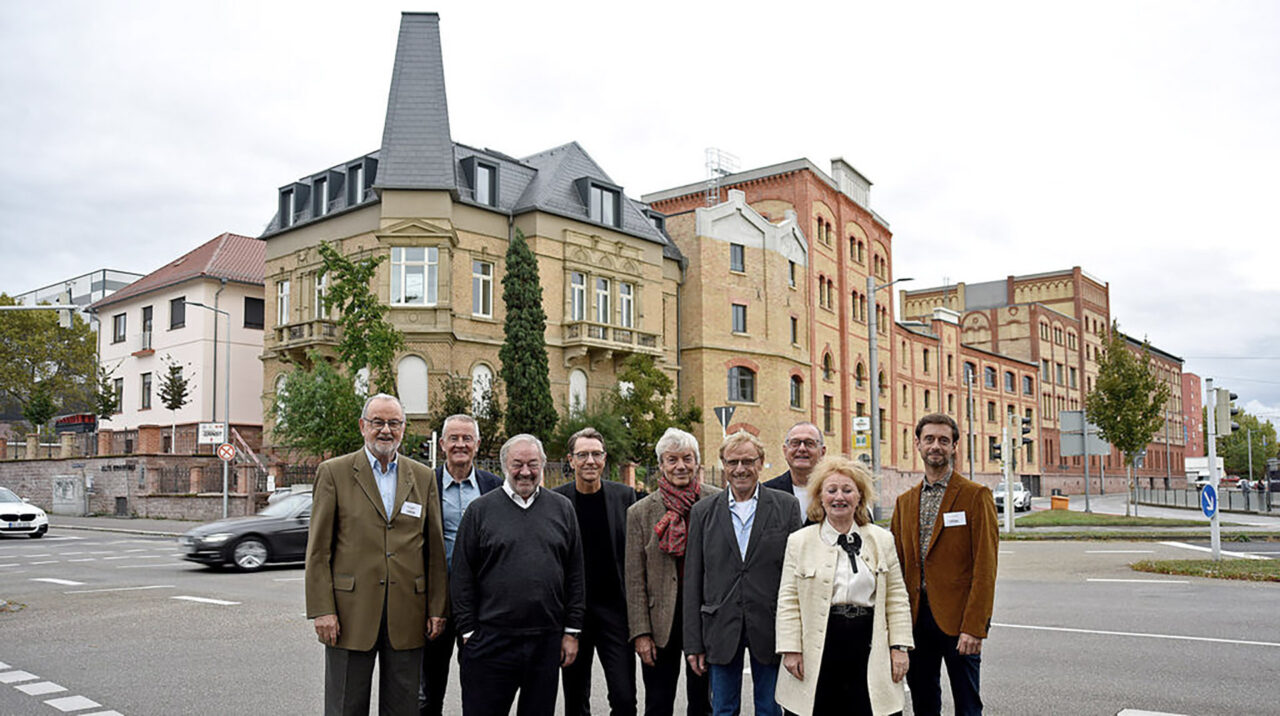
596	455
795	443
379	423
731	464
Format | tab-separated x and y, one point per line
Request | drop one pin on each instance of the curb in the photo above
117	530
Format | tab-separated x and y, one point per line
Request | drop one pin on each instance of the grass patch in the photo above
1071	518
1253	570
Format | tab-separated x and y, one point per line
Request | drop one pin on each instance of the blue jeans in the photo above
933	646
726	686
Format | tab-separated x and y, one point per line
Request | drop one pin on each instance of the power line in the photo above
1231	357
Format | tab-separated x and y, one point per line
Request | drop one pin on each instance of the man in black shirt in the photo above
601	507
517	589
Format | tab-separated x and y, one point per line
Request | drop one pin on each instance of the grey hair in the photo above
676	440
460	418
364	411
791	429
521	438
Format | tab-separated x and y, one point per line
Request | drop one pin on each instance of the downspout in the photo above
213	397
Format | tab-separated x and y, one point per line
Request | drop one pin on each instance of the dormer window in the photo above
355	184
602	205
287	198
483	178
320	197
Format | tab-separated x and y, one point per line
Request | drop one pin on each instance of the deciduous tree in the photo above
175	392
643	399
316	410
368	338
38	355
1128	399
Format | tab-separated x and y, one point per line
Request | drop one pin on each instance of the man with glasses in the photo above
732	570
517	588
601	508
459	441
947	535
375	569
803	450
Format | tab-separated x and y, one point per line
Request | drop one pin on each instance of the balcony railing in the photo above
602	336
306	332
144	342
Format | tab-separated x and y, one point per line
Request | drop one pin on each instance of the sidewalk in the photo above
121	525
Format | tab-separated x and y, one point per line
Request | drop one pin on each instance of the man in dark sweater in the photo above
518	589
601	507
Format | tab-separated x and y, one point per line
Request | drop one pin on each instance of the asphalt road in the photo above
1075	632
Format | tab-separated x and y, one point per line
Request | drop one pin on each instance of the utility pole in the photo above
872	361
1215	536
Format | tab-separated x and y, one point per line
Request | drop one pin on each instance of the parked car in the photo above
1021	497
19	517
276	534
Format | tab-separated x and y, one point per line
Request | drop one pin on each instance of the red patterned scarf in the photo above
673	528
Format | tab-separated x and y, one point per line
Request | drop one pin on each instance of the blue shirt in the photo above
744	515
454	500
386	481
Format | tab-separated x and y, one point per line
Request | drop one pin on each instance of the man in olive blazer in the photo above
949	566
375	569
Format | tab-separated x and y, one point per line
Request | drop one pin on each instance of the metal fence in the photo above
1228	500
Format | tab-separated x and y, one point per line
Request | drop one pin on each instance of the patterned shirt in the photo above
930	501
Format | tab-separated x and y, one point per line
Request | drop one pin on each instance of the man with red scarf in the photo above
657	534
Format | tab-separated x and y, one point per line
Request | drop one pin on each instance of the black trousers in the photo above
495	666
435	671
348	678
661	679
933	646
605	632
842	678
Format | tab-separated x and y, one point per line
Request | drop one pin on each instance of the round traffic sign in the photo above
1208	501
227	452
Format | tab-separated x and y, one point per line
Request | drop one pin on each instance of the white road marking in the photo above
1127	712
104	713
45	554
43	561
72	703
1144	635
138	549
55	580
120	589
68	554
13	677
84	559
1141	581
148	566
119	556
3	666
40	688
11	564
1006	551
1198	548
103	551
1119	551
288	579
206	600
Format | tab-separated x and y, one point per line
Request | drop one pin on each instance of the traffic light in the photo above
997	451
1025	427
1224	411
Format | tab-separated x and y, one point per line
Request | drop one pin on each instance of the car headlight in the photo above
216	538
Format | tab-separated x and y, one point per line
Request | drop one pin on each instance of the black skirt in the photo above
842	678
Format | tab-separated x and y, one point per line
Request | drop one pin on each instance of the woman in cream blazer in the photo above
832	620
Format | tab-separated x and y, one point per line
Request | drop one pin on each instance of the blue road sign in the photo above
1209	501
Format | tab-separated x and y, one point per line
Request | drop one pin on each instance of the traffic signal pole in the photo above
1215	536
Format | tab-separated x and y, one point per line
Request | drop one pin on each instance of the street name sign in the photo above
211	434
862	423
1209	501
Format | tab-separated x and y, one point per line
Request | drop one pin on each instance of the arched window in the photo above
859	374
577	390
826	366
989	377
742	384
411	377
481	385
797	392
883	384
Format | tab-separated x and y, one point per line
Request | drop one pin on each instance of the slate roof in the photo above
417	150
236	258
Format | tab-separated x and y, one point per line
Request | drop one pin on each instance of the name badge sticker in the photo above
952	519
413	509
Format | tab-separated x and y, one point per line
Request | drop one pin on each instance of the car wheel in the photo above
249	554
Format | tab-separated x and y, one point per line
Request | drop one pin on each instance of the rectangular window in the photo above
178	312
991	411
117	387
795	330
318	310
926	399
118	328
924	360
627	305
321	197
146	328
951	404
1010	382
737	257
1072	376
282	303
355	184
484	184
602	300
414	275
1058	367
146	391
1045	375
951	366
1027	385
603	205
286	208
827	414
254	308
739	317
791	274
482	287
577	296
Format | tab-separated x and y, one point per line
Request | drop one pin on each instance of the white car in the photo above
17	517
1021	497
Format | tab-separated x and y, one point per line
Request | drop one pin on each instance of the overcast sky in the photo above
1138	140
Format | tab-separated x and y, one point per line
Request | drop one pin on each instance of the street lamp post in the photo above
226	404
873	361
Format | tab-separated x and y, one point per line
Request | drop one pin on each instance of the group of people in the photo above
531	584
